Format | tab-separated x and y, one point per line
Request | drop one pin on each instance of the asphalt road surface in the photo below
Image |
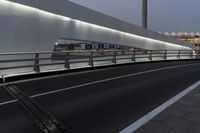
98	101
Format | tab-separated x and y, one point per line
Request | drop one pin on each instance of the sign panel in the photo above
88	46
94	46
101	46
106	45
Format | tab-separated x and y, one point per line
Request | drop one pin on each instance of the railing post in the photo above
91	62
197	54
36	63
150	55
133	56
67	65
179	54
165	56
114	57
3	78
192	55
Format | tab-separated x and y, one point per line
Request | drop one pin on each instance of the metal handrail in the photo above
37	60
84	51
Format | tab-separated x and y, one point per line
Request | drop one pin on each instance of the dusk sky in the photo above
164	15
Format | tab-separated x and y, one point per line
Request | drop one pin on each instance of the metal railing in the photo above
36	62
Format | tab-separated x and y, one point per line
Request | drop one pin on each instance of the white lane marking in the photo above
146	118
8	102
110	79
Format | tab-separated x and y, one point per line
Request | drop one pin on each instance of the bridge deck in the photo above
105	100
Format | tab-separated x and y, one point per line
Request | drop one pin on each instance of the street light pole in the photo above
144	13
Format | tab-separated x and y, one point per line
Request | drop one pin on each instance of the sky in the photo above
163	16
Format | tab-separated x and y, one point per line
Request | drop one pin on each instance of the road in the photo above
98	101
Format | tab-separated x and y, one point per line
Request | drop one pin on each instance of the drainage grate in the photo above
46	121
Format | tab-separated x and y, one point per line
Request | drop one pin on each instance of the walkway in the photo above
181	117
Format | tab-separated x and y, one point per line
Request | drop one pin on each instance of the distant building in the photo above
191	37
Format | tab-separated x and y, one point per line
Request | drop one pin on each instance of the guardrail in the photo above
36	62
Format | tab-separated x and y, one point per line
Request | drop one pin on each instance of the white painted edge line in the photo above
114	78
8	102
146	118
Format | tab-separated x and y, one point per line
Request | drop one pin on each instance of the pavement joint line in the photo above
110	79
149	116
105	80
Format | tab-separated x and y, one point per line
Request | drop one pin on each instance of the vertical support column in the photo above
144	13
36	63
67	64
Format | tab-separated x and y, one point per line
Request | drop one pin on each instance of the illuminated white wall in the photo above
38	25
